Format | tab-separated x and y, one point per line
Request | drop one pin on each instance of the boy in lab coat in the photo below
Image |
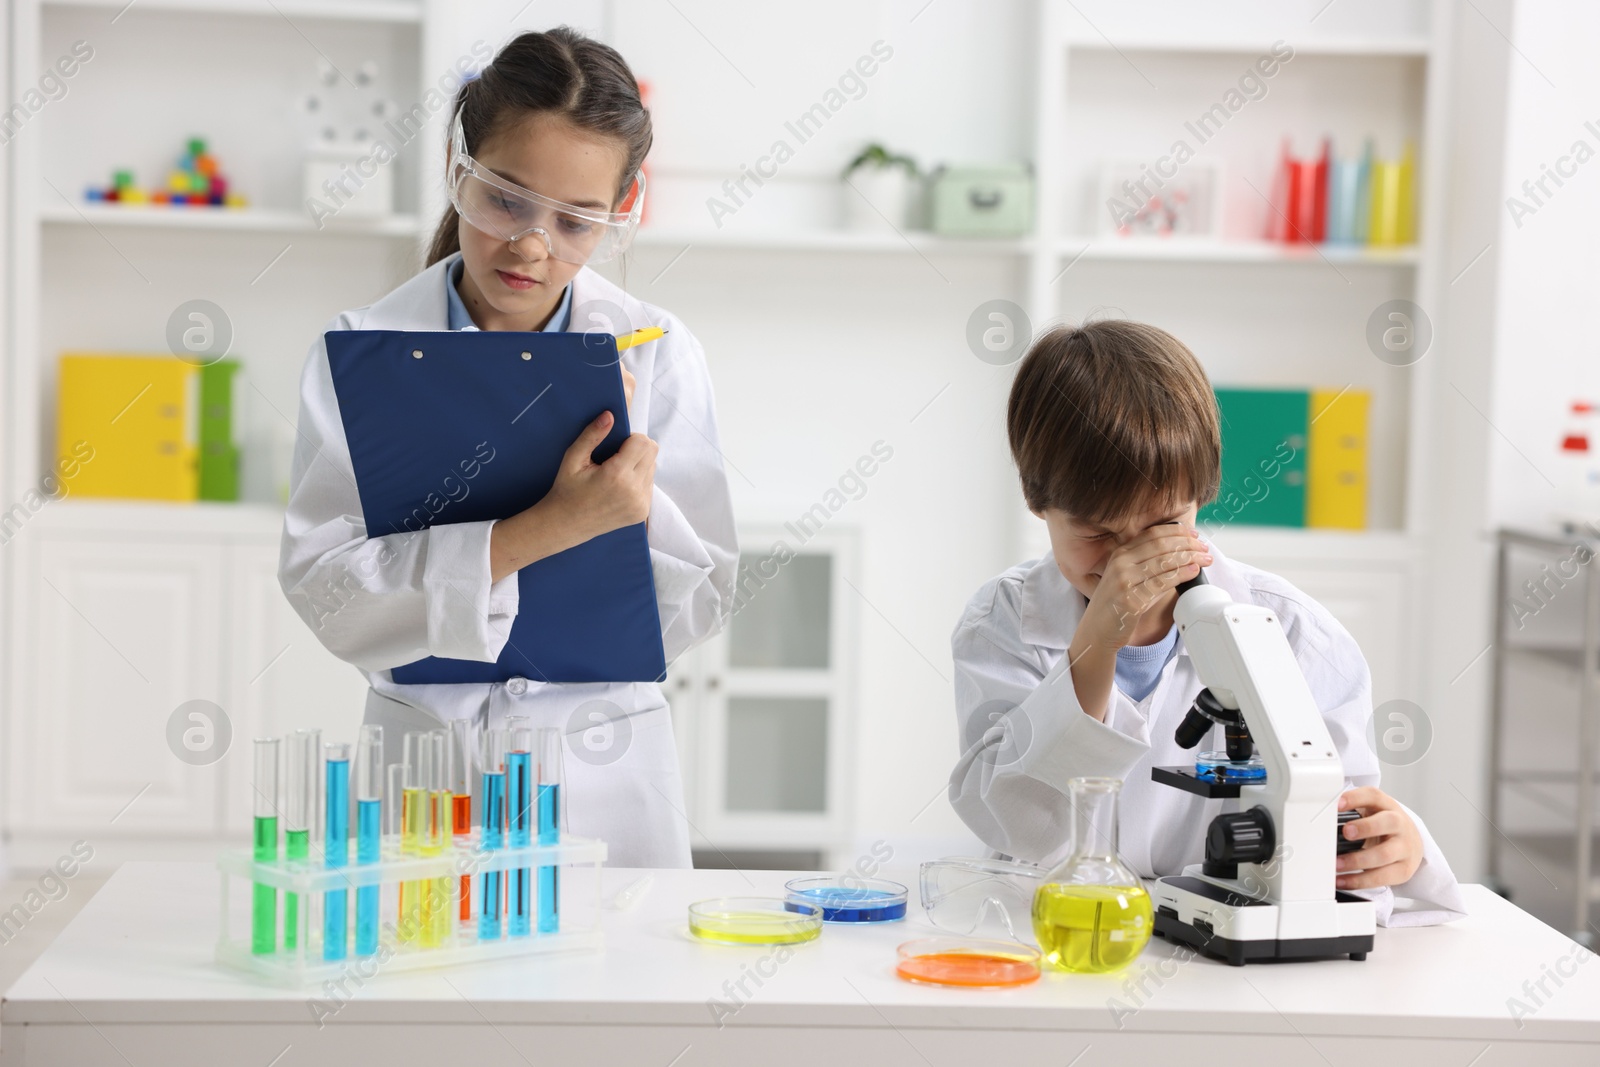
1071	666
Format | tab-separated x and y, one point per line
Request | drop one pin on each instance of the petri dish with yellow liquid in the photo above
755	921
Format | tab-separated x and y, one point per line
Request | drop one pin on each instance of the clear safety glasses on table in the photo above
969	896
500	208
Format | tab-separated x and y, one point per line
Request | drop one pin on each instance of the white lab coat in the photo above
383	602
1023	733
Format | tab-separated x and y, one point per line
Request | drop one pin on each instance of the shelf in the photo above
1196	250
1336	546
829	241
164	518
228	219
1565	663
1405	47
397	11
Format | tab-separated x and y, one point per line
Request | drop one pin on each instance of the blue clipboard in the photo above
419	428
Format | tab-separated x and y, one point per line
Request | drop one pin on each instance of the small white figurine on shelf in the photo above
347	168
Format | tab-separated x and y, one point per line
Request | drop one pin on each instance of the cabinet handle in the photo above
682	682
713	682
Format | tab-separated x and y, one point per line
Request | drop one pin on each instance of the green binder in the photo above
1264	435
219	455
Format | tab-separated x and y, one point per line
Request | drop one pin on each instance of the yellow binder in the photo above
1336	464
137	413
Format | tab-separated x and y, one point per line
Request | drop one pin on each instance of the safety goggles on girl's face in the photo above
503	209
969	896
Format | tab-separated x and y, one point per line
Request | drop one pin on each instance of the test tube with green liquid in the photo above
550	823
264	915
336	848
460	783
369	832
302	762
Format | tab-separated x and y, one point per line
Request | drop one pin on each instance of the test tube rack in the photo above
454	942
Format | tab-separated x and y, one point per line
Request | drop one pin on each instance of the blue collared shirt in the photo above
458	319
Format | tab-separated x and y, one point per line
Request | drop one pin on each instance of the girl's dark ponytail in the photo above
560	72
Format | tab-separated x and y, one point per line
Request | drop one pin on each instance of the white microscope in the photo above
1266	889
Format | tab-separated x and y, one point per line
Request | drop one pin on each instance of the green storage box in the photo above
219	455
982	201
1264	435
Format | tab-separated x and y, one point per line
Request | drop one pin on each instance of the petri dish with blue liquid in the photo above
1217	767
848	899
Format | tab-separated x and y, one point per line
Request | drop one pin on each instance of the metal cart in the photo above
1580	664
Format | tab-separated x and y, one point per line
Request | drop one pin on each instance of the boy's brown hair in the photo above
1111	417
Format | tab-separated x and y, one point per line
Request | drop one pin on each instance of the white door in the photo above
114	635
764	708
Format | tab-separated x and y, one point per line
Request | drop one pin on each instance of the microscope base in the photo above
1178	897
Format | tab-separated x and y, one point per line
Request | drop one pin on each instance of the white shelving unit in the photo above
224	219
117	612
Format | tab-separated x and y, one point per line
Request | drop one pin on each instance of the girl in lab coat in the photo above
1070	666
544	178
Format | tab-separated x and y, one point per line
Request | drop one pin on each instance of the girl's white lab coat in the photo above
386	601
1024	735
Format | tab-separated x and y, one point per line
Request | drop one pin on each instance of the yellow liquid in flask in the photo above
1091	929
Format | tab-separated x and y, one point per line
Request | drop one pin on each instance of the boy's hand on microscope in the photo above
1393	851
1135	576
628	382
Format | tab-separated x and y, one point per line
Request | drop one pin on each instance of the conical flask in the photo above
1092	913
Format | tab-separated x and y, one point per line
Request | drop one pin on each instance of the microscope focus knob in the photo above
1241	837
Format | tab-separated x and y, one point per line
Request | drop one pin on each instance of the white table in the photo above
131	981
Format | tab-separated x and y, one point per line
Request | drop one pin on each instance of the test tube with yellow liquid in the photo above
414	801
435	838
1092	913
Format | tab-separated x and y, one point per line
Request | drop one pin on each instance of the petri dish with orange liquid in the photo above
972	963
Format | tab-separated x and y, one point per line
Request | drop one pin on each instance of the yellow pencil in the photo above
639	337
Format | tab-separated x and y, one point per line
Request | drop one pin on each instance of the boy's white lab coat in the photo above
383	602
1023	733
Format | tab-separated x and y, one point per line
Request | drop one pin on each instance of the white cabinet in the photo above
764	710
111	636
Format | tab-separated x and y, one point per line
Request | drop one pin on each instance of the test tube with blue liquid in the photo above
264	916
369	832
494	832
549	826
302	764
336	847
519	801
